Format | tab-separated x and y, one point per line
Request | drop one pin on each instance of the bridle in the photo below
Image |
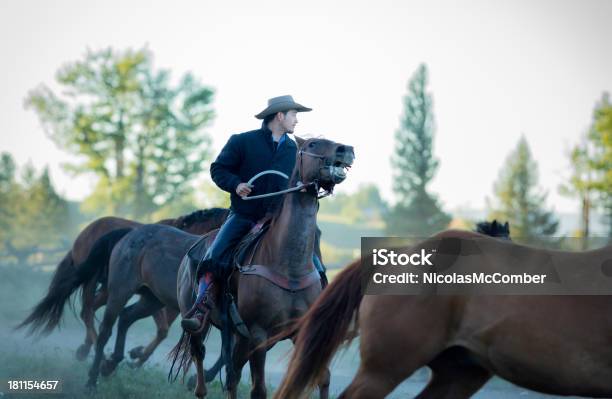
336	174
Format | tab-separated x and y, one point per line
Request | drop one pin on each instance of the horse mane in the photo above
279	209
201	215
293	179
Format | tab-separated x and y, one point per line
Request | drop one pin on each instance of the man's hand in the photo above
244	189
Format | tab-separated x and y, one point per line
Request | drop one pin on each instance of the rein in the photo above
299	187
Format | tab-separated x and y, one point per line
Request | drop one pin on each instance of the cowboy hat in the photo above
281	104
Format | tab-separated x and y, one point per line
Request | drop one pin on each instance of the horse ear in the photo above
300	141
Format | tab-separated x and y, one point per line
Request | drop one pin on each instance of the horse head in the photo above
323	163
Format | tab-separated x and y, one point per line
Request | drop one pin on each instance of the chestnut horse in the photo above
285	251
553	344
86	265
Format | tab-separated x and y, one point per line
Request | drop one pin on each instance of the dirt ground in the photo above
343	368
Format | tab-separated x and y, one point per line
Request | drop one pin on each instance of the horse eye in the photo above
312	144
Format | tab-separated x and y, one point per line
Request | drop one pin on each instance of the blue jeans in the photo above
218	259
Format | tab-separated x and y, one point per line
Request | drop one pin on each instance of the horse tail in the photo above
180	353
67	278
320	332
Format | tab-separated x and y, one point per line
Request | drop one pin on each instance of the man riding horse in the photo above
242	157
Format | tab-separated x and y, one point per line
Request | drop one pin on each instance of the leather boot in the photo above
196	317
195	324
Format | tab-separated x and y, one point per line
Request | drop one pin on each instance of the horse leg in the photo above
100	299
87	315
145	307
452	378
374	382
377	375
198	351
163	319
324	384
257	362
239	358
456	383
114	306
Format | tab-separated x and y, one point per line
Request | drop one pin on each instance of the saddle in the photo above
242	257
243	254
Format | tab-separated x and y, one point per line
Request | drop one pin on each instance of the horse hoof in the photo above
200	392
107	367
82	352
91	386
137	352
135	365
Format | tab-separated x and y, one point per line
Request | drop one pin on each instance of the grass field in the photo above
22	358
146	382
20	289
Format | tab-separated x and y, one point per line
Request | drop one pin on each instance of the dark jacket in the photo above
243	156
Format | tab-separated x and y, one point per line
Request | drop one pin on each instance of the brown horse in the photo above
553	344
86	265
285	251
144	262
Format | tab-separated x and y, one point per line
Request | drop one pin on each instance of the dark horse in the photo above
494	229
86	266
144	262
553	344
285	253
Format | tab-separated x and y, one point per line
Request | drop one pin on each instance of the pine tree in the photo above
417	212
32	214
601	161
518	200
580	185
8	193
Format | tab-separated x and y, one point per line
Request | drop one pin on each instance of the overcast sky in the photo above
498	69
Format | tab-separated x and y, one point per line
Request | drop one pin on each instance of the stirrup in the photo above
190	326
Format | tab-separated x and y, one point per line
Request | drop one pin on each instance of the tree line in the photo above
517	198
142	136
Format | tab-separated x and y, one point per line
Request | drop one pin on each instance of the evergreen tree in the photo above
137	133
580	185
518	199
32	214
601	161
417	212
8	192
